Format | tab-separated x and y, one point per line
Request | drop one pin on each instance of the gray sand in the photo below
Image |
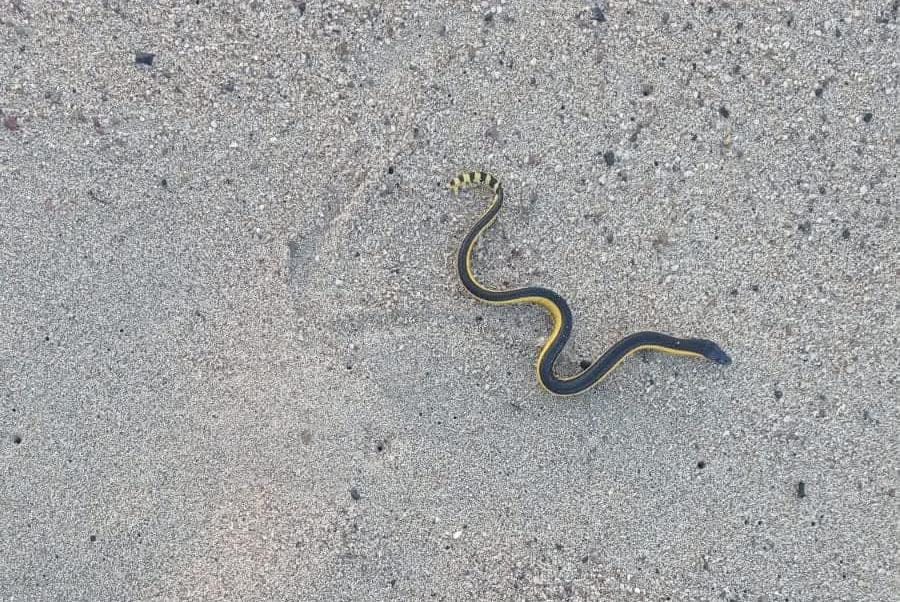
236	362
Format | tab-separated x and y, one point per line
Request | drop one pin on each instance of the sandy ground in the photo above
236	362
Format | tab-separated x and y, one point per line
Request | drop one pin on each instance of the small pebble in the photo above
144	58
354	493
801	489
845	233
11	122
867	117
724	112
609	157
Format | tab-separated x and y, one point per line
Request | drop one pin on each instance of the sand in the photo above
236	362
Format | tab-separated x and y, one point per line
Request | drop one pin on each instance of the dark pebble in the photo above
11	122
93	538
845	233
597	14
801	489
754	288
354	493
300	6
584	364
701	464
144	58
17	439
724	112
867	117
778	394
805	227
609	157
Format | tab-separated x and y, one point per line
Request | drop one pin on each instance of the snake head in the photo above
716	354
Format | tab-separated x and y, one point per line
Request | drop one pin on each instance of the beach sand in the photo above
237	363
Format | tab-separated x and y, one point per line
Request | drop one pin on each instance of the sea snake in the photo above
559	311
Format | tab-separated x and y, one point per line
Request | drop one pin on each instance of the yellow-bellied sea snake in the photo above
559	311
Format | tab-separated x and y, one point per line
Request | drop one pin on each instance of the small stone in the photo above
724	112
354	493
597	14
867	117
801	489
144	58
845	233
778	394
609	157
11	122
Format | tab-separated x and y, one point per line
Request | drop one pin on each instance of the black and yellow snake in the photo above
597	371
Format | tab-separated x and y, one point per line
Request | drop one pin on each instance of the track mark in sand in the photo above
303	250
